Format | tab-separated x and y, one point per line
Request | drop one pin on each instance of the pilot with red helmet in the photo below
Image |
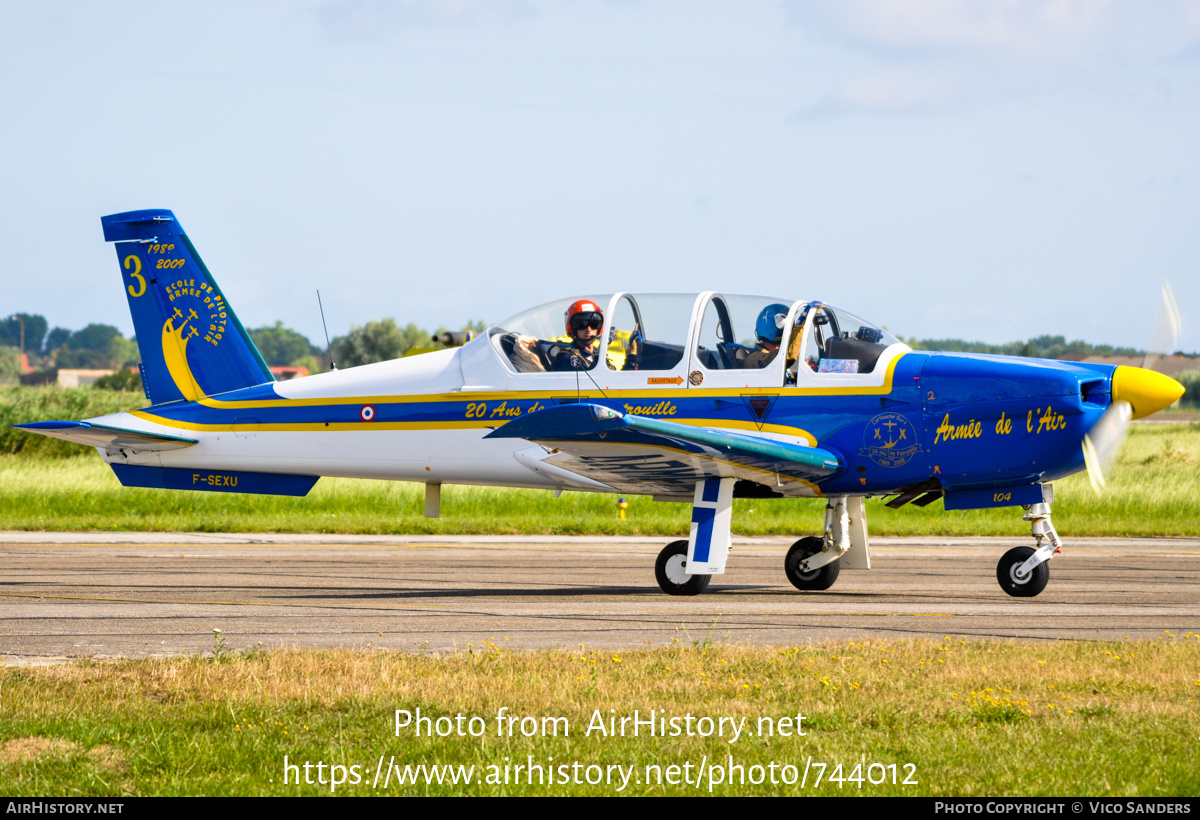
577	350
584	320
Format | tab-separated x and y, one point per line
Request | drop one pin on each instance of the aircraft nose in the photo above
1146	391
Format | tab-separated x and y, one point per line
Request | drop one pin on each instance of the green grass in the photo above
970	718
1153	490
19	405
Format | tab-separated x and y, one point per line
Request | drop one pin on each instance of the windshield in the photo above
548	321
840	342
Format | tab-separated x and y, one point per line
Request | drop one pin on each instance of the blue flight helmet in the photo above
769	325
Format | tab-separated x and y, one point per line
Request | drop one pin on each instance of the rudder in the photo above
191	342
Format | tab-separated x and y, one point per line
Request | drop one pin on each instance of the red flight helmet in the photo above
581	314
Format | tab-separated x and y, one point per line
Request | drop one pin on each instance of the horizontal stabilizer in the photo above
633	452
99	435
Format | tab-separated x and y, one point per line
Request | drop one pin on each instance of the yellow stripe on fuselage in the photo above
511	395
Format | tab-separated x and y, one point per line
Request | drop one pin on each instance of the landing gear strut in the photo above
813	564
1023	572
686	567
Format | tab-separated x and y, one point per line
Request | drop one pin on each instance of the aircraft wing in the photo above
637	454
99	435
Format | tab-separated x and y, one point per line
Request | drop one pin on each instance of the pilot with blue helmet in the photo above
768	329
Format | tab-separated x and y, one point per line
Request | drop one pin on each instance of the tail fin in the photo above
191	342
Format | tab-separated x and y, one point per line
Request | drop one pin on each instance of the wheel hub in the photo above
676	569
807	575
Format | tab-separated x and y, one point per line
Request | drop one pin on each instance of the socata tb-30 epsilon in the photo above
840	411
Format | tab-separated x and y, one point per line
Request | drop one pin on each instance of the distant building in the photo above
63	378
284	372
1167	365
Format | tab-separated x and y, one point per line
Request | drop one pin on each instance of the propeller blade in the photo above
1103	442
1167	328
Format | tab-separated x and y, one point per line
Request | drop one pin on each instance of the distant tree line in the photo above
1043	347
382	339
103	347
96	347
379	340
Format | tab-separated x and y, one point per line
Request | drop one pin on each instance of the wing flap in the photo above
112	438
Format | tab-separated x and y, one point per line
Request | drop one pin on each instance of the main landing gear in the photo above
686	567
800	556
1023	572
670	570
812	564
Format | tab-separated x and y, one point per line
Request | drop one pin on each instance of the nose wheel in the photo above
1023	571
1017	583
670	570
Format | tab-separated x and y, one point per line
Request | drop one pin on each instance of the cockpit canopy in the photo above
702	334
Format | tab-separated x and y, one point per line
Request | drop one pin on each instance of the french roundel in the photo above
367	413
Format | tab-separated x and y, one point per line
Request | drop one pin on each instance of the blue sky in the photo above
983	169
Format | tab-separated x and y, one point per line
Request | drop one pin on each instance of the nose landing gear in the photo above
1023	571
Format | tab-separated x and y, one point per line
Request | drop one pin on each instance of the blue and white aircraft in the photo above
840	410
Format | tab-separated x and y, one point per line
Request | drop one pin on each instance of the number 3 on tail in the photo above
136	273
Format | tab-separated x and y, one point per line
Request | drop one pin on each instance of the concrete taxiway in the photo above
66	595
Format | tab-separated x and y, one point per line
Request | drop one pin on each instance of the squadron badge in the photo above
890	440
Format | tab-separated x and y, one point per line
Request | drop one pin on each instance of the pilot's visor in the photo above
592	321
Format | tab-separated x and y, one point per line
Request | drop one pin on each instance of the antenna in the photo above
332	364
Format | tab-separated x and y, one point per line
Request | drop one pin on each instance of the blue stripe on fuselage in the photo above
963	388
793	407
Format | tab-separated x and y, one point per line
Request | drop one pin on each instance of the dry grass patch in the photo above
24	749
108	757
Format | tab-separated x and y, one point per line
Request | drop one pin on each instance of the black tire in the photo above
1027	587
668	567
813	580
